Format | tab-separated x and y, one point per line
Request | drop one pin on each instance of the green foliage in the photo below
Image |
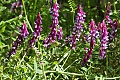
58	62
72	5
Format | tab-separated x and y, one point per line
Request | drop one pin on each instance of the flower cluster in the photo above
23	34
77	28
59	33
93	32
16	4
112	32
37	30
86	58
112	24
54	32
92	39
104	40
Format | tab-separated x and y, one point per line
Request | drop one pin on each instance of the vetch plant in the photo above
16	4
37	30
59	33
108	8
103	39
92	40
54	32
23	34
112	24
93	32
77	28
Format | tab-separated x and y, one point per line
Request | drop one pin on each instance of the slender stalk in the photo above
44	72
70	64
64	56
114	7
34	76
112	78
3	22
66	60
106	64
73	17
67	67
68	73
22	59
26	16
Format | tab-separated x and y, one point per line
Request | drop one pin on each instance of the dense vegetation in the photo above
59	39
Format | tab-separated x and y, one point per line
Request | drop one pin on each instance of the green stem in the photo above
106	64
26	16
2	22
44	72
22	59
114	7
66	60
64	56
112	78
73	18
68	73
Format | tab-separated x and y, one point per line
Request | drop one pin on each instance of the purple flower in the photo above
86	58
51	1
54	32
73	42
93	32
23	34
108	8
37	30
112	33
79	21
112	24
14	47
104	40
92	39
32	41
109	20
51	4
16	4
23	31
77	28
59	33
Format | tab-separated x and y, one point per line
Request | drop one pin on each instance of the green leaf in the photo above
2	8
101	77
44	13
56	43
29	66
96	78
5	76
39	71
35	64
28	78
1	68
2	29
84	68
